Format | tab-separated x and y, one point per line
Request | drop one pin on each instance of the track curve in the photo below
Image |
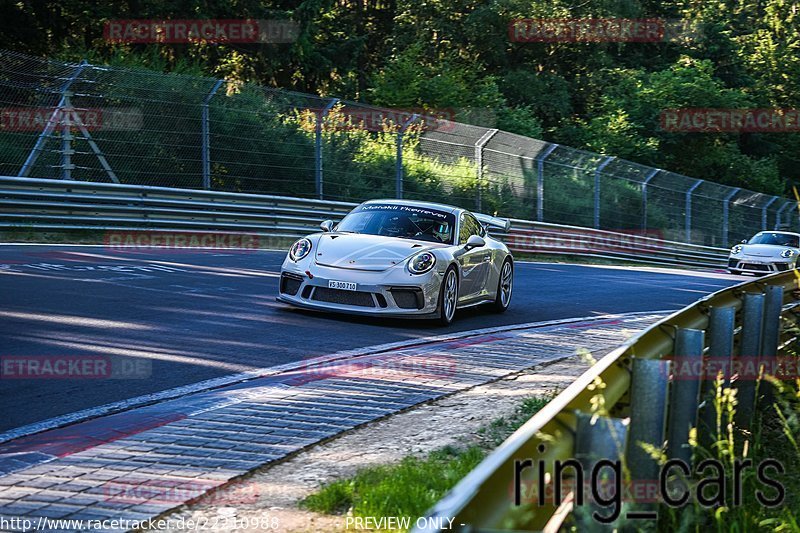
201	314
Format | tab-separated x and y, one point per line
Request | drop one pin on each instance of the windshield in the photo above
403	221
778	239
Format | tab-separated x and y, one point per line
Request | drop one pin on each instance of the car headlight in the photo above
421	263
787	253
736	249
300	249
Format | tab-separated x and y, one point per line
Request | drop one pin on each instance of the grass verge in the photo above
412	486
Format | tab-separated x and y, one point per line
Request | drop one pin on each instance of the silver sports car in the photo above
403	259
766	252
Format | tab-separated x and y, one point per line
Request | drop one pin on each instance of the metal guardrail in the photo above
555	239
60	204
640	404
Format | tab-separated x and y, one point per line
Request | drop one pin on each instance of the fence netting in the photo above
98	123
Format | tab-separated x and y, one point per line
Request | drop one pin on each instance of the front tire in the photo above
735	272
448	297
505	285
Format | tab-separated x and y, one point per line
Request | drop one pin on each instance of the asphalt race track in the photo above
193	315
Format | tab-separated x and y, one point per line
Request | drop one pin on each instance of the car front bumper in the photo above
391	293
759	265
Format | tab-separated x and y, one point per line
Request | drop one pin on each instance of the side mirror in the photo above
744	241
474	241
327	226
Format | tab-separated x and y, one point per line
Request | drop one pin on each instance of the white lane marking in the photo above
57	267
75	320
131	277
177	392
651	269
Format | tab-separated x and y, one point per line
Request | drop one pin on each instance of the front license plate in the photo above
344	285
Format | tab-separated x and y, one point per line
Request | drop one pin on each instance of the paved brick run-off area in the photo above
138	464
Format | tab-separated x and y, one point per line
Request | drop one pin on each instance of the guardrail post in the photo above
540	182
721	323
479	144
599	442
206	137
647	179
749	347
52	122
399	161
771	331
689	210
597	190
318	147
648	400
725	218
764	213
685	394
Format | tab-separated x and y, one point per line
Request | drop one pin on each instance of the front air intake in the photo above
408	298
290	284
337	296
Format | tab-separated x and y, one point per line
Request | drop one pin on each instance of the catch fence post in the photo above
318	184
646	181
689	210
52	122
725	215
597	172
66	138
764	213
206	135
540	182
479	144
399	158
779	214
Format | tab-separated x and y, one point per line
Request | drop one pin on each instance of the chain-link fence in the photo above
99	123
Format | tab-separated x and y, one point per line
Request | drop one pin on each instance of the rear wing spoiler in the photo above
495	222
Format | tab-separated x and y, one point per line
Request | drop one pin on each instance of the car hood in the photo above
764	250
366	252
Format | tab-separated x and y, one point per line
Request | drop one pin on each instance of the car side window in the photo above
469	226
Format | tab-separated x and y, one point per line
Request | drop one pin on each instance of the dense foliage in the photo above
606	97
